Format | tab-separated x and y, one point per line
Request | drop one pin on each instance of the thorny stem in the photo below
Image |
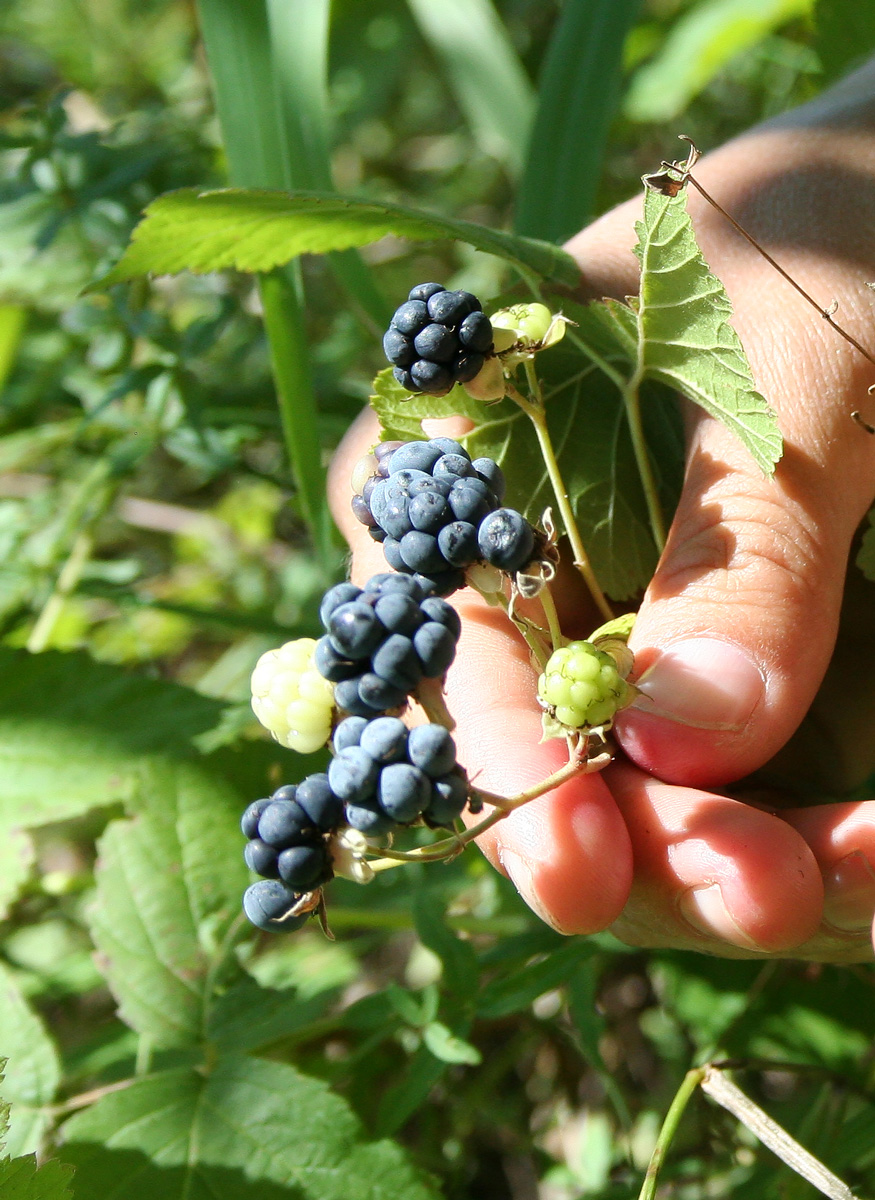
451	846
534	410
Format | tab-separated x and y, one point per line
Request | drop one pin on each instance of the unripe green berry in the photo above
291	699
582	686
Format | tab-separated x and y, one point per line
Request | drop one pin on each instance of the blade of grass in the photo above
484	72
239	52
578	97
299	56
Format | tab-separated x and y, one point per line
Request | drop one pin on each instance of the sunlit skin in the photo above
754	570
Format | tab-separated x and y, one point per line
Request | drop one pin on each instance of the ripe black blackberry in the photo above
437	338
382	640
437	513
389	775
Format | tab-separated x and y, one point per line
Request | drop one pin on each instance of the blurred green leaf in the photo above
254	230
845	32
22	1179
246	1130
33	1069
448	1047
460	969
160	877
678	330
578	94
517	991
484	72
698	46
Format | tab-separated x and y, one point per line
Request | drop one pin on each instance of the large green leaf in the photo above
247	1130
20	1178
255	230
698	46
169	883
71	732
33	1069
679	333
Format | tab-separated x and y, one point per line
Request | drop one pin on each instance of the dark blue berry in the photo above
402	376
249	820
457	542
397	663
354	630
438	610
410	317
449	308
431	377
449	796
379	694
475	332
266	904
341	593
348	733
398	348
284	823
431	748
424	291
436	647
399	613
467	367
352	775
419	552
304	867
318	801
417	456
436	343
346	696
261	858
492	475
506	539
385	740
333	666
403	792
428	512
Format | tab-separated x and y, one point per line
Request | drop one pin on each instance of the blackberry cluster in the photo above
388	775
437	338
382	640
288	846
437	513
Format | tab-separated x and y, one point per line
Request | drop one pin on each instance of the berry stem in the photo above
632	403
533	407
551	615
501	807
691	1081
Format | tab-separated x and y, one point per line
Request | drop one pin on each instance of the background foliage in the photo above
155	540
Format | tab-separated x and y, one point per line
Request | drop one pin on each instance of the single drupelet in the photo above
437	338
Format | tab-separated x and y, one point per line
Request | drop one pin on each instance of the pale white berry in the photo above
291	699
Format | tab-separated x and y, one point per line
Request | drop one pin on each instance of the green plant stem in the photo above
65	584
534	410
549	606
449	847
632	403
283	320
691	1081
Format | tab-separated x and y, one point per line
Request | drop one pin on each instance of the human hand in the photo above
737	627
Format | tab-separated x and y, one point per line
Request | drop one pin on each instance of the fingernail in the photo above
704	682
520	874
849	893
705	909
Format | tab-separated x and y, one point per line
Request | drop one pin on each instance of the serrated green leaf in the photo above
160	878
680	326
71	732
33	1069
247	1130
21	1179
248	1017
257	230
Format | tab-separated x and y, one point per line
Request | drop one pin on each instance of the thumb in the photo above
738	624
